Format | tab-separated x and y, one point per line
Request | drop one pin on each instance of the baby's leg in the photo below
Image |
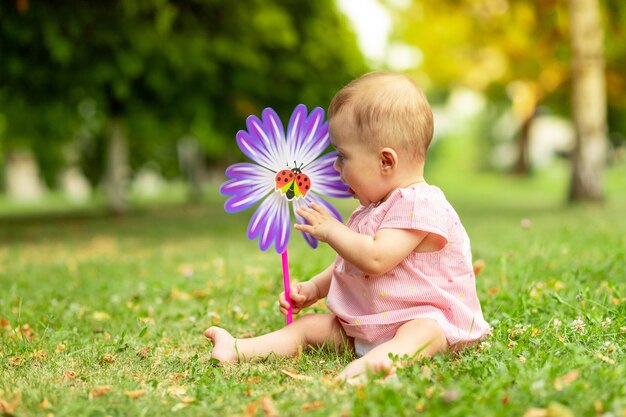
309	330
420	335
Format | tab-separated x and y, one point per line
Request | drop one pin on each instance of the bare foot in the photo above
356	371
224	348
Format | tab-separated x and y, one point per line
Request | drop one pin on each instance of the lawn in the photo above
104	315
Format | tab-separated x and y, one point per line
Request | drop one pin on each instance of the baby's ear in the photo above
388	159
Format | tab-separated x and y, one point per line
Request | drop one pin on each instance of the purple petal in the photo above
249	183
243	196
270	222
296	129
284	226
252	172
276	134
254	149
315	138
325	179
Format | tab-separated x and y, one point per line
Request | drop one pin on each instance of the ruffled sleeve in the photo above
420	208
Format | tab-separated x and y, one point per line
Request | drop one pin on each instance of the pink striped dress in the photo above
436	285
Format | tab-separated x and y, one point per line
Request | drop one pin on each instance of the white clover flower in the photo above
483	345
519	329
606	322
578	326
557	323
609	347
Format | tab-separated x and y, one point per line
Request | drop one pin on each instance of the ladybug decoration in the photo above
292	182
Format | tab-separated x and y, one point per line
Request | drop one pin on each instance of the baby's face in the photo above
358	165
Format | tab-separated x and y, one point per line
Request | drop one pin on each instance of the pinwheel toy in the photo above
287	169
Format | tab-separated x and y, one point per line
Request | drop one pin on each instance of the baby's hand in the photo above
302	294
321	222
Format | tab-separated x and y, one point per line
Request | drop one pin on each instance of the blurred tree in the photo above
513	51
615	62
588	101
516	52
132	77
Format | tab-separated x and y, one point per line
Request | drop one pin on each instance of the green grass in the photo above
88	301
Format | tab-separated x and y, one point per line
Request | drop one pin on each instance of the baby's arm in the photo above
304	294
371	254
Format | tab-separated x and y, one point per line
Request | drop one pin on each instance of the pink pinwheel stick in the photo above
287	285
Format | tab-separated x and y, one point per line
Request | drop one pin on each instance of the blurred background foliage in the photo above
158	70
108	88
516	53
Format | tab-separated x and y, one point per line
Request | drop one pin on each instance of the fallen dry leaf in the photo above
179	375
479	265
312	406
268	407
147	321
135	394
8	407
420	406
176	294
179	407
100	316
69	375
566	380
559	410
4	323
493	290
45	404
17	361
107	358
295	375
99	391
39	355
536	412
199	294
553	410
597	405
177	391
144	352
25	332
298	354
251	409
605	358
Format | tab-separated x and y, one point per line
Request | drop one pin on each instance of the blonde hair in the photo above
388	109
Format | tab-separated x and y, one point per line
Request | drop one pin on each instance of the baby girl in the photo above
402	282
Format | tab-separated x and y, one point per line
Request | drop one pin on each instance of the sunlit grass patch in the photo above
104	316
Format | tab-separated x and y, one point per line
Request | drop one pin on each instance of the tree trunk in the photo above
117	169
192	166
588	101
22	180
522	164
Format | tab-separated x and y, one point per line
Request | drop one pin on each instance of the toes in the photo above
384	365
210	333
